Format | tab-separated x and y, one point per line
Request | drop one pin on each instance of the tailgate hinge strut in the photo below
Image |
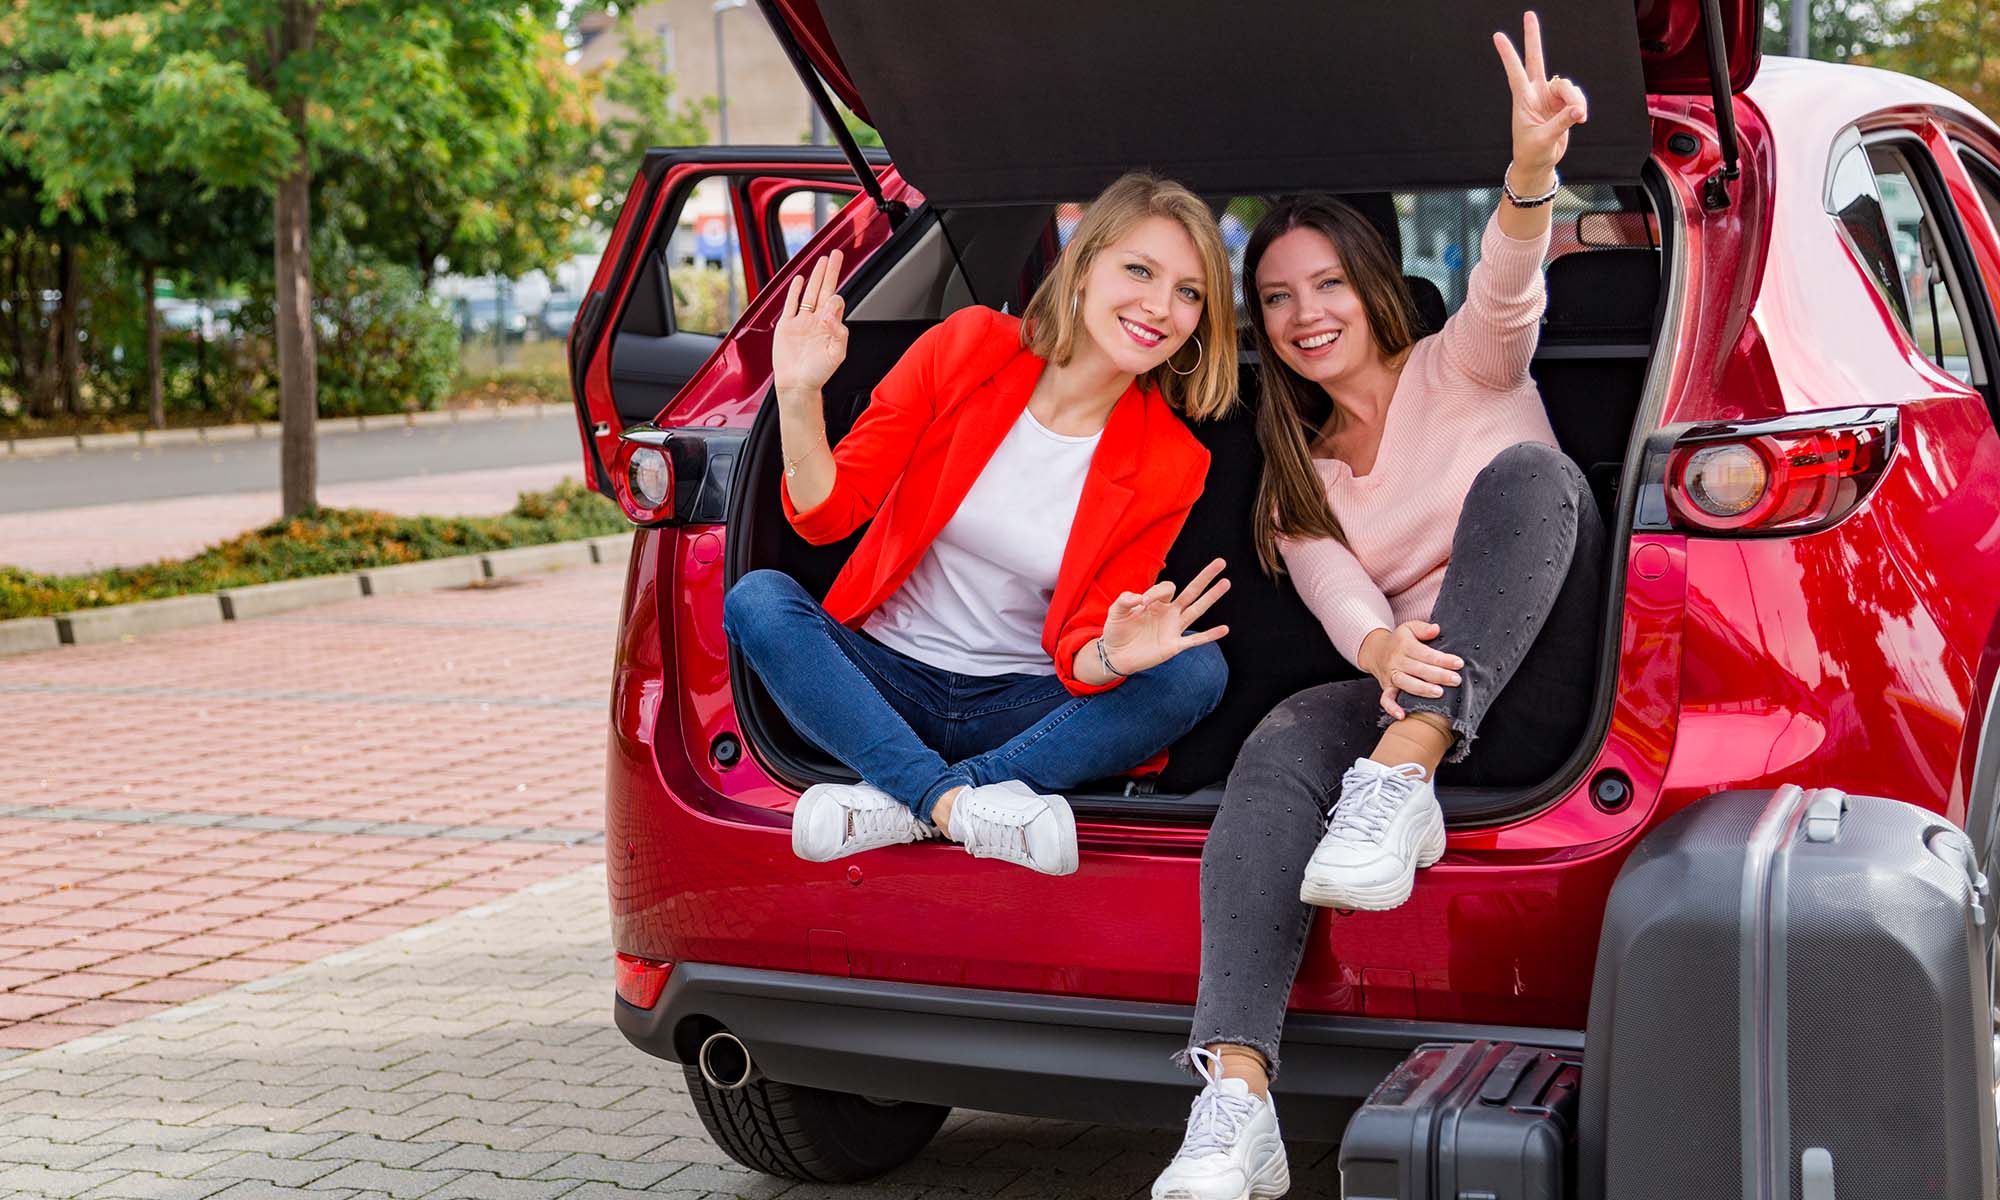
895	210
1715	190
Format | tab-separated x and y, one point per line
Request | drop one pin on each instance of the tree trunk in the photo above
298	375
156	400
69	317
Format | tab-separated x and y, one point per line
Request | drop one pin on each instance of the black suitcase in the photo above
1465	1121
1791	1002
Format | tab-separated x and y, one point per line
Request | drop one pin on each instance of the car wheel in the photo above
809	1134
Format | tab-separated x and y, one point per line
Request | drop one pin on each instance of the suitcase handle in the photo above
1824	809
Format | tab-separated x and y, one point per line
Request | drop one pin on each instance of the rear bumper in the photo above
1017	1052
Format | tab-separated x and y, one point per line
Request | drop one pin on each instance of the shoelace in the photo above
1369	799
985	832
1217	1116
889	819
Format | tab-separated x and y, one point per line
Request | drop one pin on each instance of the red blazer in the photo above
928	431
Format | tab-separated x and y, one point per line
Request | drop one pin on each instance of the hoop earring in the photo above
1197	358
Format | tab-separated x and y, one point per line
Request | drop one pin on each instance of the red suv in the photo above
1791	284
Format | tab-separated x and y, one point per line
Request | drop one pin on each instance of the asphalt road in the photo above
94	477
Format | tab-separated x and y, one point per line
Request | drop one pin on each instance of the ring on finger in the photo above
804	307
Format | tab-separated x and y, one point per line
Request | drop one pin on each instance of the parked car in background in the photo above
558	314
480	316
1793	448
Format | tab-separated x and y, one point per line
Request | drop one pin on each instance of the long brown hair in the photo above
1050	325
1291	500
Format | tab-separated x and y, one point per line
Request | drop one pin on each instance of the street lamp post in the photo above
722	128
721	69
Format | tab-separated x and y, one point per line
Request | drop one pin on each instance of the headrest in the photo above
1593	293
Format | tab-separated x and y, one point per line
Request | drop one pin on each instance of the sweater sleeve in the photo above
1337	589
873	455
1492	336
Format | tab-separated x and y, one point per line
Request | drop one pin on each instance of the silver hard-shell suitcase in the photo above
1792	1003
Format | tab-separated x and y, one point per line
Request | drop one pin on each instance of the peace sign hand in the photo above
1144	629
810	341
1545	106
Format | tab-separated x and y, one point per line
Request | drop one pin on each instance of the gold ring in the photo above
805	307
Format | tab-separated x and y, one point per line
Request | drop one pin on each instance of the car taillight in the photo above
675	476
641	980
650	474
1789	475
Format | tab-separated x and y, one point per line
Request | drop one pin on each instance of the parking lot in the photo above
322	907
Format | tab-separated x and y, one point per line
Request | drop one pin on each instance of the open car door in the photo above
701	232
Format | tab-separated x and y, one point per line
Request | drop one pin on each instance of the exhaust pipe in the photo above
725	1062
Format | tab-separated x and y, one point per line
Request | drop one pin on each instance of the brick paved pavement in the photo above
473	1056
70	541
196	809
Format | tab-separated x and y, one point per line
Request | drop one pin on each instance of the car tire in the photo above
810	1134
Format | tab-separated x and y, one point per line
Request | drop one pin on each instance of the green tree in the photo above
638	109
491	176
265	93
1838	30
1951	43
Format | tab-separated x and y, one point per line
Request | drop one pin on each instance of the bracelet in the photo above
1105	659
1507	186
792	465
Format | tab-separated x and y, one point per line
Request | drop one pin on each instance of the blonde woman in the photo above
1000	633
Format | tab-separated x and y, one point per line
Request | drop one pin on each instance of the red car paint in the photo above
1860	656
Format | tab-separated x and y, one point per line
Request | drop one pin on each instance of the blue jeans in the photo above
918	731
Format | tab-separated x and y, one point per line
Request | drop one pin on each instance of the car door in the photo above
702	230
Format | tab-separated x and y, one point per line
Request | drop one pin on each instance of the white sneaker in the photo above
1232	1150
1009	820
1386	824
837	819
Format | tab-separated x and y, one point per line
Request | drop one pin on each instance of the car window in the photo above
1922	257
1986	182
1854	202
1440	230
801	214
705	261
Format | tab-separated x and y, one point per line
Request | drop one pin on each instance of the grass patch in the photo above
330	541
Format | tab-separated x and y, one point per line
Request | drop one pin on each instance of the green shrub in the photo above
384	344
330	541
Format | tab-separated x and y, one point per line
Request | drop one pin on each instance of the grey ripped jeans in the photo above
1520	604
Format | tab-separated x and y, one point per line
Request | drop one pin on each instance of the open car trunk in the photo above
1607	283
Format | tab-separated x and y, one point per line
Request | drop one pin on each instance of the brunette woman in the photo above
998	635
1418	501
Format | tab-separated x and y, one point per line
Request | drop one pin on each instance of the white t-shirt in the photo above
977	601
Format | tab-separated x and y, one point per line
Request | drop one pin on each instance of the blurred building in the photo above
767	104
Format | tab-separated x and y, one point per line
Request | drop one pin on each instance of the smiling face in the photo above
1144	295
1310	310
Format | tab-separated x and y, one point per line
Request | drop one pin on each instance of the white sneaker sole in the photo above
1379	897
1066	822
1269	1184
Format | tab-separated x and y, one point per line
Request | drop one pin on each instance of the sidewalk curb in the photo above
77	443
123	622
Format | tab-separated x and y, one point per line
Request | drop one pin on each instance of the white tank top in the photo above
977	601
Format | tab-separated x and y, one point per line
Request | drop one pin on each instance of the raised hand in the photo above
1144	629
810	341
1545	106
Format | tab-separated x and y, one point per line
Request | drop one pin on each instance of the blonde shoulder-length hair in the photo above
1050	326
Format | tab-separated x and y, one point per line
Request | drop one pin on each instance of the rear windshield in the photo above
1439	231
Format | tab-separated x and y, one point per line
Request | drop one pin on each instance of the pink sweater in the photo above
1464	396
